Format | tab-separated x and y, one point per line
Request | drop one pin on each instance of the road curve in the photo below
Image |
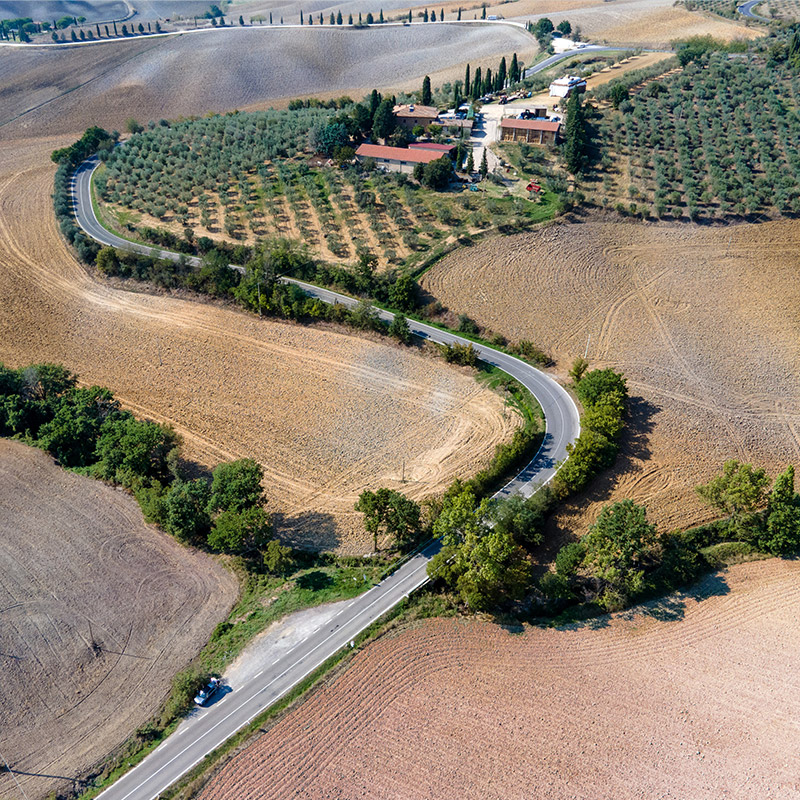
210	728
746	10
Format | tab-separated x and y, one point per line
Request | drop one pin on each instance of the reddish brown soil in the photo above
78	565
694	697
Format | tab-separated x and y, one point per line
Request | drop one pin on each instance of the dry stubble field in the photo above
703	321
694	697
75	557
62	90
327	414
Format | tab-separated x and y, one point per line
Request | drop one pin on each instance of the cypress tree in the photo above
459	14
270	18
333	19
501	74
380	17
470	162
488	86
98	30
426	91
467	84
301	16
441	15
320	19
339	18
484	165
514	72
575	134
350	19
425	15
477	84
433	15
409	15
115	28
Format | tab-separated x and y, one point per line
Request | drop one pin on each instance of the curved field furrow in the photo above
81	567
326	414
699	703
703	321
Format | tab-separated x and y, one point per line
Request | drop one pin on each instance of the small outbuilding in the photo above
442	149
397	159
564	87
533	131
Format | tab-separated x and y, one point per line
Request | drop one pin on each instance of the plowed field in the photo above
326	414
62	90
78	565
695	697
704	322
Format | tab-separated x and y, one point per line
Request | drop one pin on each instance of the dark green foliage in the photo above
523	519
186	514
277	558
133	453
738	492
185	686
240	531
484	564
403	293
467	325
384	121
599	384
426	97
463	354
603	394
71	434
400	330
236	486
782	534
618	548
575	134
390	513
617	94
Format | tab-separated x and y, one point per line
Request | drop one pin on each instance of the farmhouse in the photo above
397	159
533	131
410	116
563	87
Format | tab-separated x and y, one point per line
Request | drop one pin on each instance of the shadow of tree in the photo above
309	530
314	581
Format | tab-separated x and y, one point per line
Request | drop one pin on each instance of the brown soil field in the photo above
79	564
327	414
55	90
691	697
703	321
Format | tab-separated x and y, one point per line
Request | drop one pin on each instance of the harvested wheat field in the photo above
696	696
647	23
62	90
703	321
327	414
79	565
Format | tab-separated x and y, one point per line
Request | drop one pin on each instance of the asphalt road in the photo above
746	10
211	727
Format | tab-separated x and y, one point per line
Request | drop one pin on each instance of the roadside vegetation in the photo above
624	558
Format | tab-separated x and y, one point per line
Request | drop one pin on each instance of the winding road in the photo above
209	728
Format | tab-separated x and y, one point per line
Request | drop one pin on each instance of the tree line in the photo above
86	430
623	557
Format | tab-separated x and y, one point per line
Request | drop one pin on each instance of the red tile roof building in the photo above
397	159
